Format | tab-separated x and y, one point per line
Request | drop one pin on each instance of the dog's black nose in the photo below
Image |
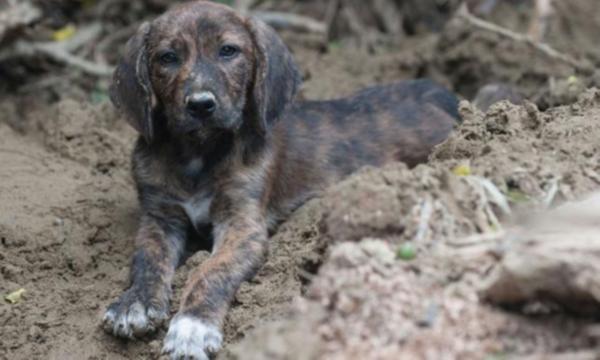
201	104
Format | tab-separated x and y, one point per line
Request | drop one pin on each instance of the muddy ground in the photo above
334	286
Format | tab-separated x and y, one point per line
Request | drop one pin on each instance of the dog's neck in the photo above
194	160
210	151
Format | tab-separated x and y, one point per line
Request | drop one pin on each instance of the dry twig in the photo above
463	13
330	15
119	35
243	6
478	239
425	213
282	20
61	51
59	54
541	19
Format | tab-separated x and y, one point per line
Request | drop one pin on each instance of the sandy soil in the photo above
367	303
333	286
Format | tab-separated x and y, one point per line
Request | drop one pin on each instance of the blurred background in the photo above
56	49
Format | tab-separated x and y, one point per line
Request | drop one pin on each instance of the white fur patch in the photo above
194	166
191	338
197	208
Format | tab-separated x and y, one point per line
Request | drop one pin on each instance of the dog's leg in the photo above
240	249
145	305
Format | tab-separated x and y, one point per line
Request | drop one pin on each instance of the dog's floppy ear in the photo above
131	90
276	78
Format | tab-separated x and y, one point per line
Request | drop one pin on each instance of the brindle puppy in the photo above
223	149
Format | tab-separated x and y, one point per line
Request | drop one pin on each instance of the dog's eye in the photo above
168	58
228	51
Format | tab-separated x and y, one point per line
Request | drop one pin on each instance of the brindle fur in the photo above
232	178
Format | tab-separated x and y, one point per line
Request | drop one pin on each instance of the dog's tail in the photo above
487	96
434	93
492	93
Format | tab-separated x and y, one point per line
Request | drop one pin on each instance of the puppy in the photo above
224	151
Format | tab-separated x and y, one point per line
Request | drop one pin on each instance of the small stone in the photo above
378	249
429	316
407	251
34	332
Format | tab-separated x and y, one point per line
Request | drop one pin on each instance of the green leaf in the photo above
15	296
99	96
335	45
517	196
226	2
462	170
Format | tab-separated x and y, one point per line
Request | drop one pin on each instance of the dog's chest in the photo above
197	208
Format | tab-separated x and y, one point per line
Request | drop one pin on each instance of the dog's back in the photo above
323	141
396	122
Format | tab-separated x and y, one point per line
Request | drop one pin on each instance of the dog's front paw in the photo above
134	315
191	338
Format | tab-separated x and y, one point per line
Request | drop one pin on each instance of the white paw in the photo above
191	338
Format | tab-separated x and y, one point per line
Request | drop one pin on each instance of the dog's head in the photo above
200	69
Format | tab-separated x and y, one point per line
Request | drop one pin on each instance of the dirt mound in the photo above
551	259
530	154
367	303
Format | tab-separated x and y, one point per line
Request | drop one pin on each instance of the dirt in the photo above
373	305
549	260
334	286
